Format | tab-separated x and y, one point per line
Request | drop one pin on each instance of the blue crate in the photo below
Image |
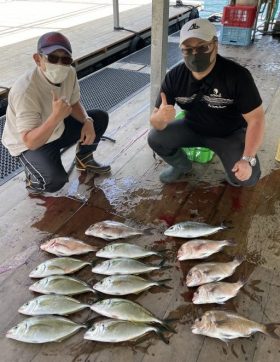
235	36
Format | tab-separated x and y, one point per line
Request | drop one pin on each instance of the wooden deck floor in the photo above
133	193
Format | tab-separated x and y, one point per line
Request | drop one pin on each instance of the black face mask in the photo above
198	62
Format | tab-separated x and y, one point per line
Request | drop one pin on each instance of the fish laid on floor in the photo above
124	266
218	292
126	284
44	329
126	310
211	272
58	266
111	230
226	325
125	250
192	229
52	304
114	331
63	246
58	284
200	249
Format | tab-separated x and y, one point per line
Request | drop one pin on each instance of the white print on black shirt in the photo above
185	100
214	100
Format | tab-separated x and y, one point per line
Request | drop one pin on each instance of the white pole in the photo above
159	42
116	14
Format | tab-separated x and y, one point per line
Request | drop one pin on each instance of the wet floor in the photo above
134	195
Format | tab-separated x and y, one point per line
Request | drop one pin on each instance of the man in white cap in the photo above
45	114
223	110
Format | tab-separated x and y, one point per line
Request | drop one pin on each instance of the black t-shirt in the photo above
226	93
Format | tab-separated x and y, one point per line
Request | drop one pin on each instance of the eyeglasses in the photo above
205	48
54	59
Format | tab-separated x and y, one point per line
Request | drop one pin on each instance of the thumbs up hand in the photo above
61	107
166	111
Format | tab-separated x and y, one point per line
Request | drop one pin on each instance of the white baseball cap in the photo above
197	28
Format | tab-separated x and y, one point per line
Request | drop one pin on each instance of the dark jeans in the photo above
229	149
43	167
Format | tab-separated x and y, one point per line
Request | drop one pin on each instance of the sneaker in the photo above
32	190
87	162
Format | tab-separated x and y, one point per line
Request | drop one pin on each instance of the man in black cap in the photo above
45	114
223	107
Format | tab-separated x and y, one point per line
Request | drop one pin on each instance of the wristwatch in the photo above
252	160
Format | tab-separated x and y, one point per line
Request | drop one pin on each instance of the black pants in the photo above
229	149
43	167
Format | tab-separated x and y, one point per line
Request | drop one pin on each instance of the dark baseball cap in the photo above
52	41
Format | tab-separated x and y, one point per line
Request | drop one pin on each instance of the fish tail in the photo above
162	266
161	283
239	259
148	231
242	281
231	242
161	253
270	330
225	226
159	331
166	324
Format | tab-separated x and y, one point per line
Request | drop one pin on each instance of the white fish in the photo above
62	285
44	329
218	292
114	331
211	272
111	230
64	246
126	310
124	266
200	249
126	284
58	266
226	325
52	304
192	229
125	250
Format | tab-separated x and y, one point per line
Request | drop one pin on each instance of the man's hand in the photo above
242	170
166	111
87	133
61	107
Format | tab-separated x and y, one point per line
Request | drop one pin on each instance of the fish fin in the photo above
55	267
221	322
270	330
222	300
213	288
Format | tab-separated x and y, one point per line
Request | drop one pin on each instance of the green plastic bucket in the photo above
196	154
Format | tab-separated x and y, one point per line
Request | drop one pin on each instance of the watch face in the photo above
253	161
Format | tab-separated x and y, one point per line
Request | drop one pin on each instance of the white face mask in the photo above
56	73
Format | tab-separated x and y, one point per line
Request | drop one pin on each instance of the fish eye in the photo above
200	319
190	274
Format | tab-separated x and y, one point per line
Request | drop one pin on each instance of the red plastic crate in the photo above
241	16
